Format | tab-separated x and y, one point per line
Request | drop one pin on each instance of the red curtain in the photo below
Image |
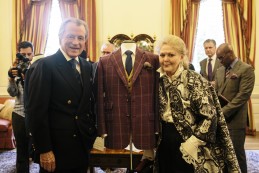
20	10
31	23
240	29
184	21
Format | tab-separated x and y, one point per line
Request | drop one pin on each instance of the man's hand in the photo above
213	83
47	161
13	72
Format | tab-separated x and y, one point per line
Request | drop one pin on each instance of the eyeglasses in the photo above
105	52
220	57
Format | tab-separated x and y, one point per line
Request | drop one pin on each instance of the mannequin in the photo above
127	103
128	45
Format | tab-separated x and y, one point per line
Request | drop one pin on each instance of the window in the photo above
55	21
210	26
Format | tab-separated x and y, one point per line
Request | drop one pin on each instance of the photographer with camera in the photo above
15	89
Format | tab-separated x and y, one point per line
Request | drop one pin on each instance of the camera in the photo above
21	67
22	58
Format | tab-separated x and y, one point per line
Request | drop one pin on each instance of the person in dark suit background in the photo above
83	54
107	48
191	67
210	50
235	81
61	104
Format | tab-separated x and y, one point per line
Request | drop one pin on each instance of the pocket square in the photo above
147	66
233	76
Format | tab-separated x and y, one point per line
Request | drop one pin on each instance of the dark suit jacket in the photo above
203	65
60	111
115	105
237	88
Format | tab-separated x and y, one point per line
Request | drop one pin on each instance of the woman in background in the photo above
194	135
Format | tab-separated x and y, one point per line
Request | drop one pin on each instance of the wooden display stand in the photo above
110	158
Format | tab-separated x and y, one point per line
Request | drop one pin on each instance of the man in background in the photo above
210	64
61	104
235	83
107	48
16	89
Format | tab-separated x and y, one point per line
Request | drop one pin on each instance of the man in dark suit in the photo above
235	81
210	50
61	104
126	100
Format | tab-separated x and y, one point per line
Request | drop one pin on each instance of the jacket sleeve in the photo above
12	89
100	100
39	91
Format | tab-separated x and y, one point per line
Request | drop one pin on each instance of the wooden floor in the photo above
252	142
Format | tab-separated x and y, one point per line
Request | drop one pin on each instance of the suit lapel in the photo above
234	70
118	65
86	80
64	68
205	68
140	58
84	75
216	66
221	79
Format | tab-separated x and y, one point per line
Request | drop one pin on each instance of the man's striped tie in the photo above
227	71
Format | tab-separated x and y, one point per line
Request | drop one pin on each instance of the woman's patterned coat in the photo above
196	111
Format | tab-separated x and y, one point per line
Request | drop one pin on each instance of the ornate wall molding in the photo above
143	41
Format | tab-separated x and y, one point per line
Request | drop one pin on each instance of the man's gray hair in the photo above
210	41
78	22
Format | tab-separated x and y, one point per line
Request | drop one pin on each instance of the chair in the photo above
7	140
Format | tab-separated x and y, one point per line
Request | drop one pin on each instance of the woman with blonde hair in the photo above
194	135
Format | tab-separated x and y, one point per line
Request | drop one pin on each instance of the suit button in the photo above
76	117
87	115
69	102
74	135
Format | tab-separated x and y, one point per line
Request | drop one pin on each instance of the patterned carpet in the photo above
7	162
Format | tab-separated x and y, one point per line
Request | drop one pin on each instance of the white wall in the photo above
132	17
5	43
